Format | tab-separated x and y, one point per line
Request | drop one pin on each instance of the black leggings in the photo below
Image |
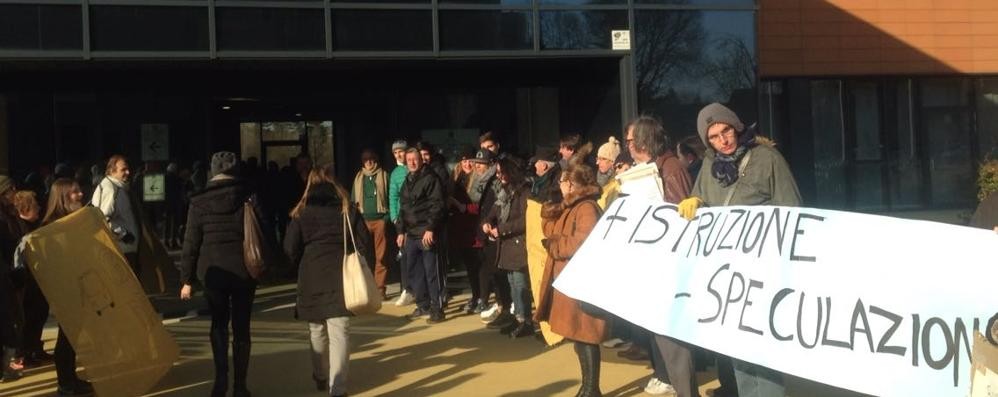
489	275
65	362
230	299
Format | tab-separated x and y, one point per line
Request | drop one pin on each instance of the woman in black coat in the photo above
213	246
314	242
506	223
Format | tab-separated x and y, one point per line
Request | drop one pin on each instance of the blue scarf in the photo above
725	167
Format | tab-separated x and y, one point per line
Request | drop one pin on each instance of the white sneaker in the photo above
491	313
656	387
613	343
405	299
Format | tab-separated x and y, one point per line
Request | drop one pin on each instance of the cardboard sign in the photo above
99	303
836	297
984	377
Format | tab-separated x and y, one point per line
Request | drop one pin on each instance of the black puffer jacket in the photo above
421	204
314	243
214	236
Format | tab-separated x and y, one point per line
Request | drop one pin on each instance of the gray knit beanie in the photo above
223	163
717	113
399	145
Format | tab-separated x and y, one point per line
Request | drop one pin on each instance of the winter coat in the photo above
461	226
676	179
766	180
123	213
214	234
12	228
314	244
422	205
394	188
512	232
564	236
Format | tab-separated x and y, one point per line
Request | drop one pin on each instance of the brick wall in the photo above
866	37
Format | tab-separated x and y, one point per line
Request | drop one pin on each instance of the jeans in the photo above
758	381
331	352
519	285
424	276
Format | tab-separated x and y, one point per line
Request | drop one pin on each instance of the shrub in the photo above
987	179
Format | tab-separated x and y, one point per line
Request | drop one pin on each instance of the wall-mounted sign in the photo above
621	39
153	188
155	142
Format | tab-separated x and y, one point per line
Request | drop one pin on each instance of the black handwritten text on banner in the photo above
869	303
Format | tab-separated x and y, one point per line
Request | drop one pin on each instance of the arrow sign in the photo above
155	142
152	190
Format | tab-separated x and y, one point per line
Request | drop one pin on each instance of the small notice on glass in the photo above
621	39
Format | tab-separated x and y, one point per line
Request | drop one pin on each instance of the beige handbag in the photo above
360	294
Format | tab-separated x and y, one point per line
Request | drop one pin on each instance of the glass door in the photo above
282	141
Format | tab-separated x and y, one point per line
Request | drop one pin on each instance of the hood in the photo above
222	196
323	195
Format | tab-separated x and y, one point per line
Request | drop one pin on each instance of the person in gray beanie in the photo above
213	255
223	163
739	171
395	181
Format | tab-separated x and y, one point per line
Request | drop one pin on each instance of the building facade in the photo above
880	106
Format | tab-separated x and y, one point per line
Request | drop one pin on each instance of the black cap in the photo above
465	153
547	154
483	156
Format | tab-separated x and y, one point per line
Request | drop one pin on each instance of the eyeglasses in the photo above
727	132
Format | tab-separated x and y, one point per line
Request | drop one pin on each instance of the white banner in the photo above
874	304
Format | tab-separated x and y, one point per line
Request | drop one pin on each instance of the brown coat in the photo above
676	180
564	236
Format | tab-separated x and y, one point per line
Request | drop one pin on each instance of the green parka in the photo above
766	180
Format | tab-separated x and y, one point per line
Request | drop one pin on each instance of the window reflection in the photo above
144	28
687	59
365	30
277	29
580	29
829	143
946	119
486	30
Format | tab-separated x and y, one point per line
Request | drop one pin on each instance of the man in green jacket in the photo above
738	171
394	187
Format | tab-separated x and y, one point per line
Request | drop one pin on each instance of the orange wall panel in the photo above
890	37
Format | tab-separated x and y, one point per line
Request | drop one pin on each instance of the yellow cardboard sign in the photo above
98	302
536	258
984	368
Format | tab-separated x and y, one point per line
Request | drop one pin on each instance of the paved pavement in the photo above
390	356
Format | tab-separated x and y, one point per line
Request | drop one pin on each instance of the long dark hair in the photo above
317	176
60	204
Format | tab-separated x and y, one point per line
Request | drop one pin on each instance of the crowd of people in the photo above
420	217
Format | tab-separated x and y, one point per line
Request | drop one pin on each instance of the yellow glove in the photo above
688	207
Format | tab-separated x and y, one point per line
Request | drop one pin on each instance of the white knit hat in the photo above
609	150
